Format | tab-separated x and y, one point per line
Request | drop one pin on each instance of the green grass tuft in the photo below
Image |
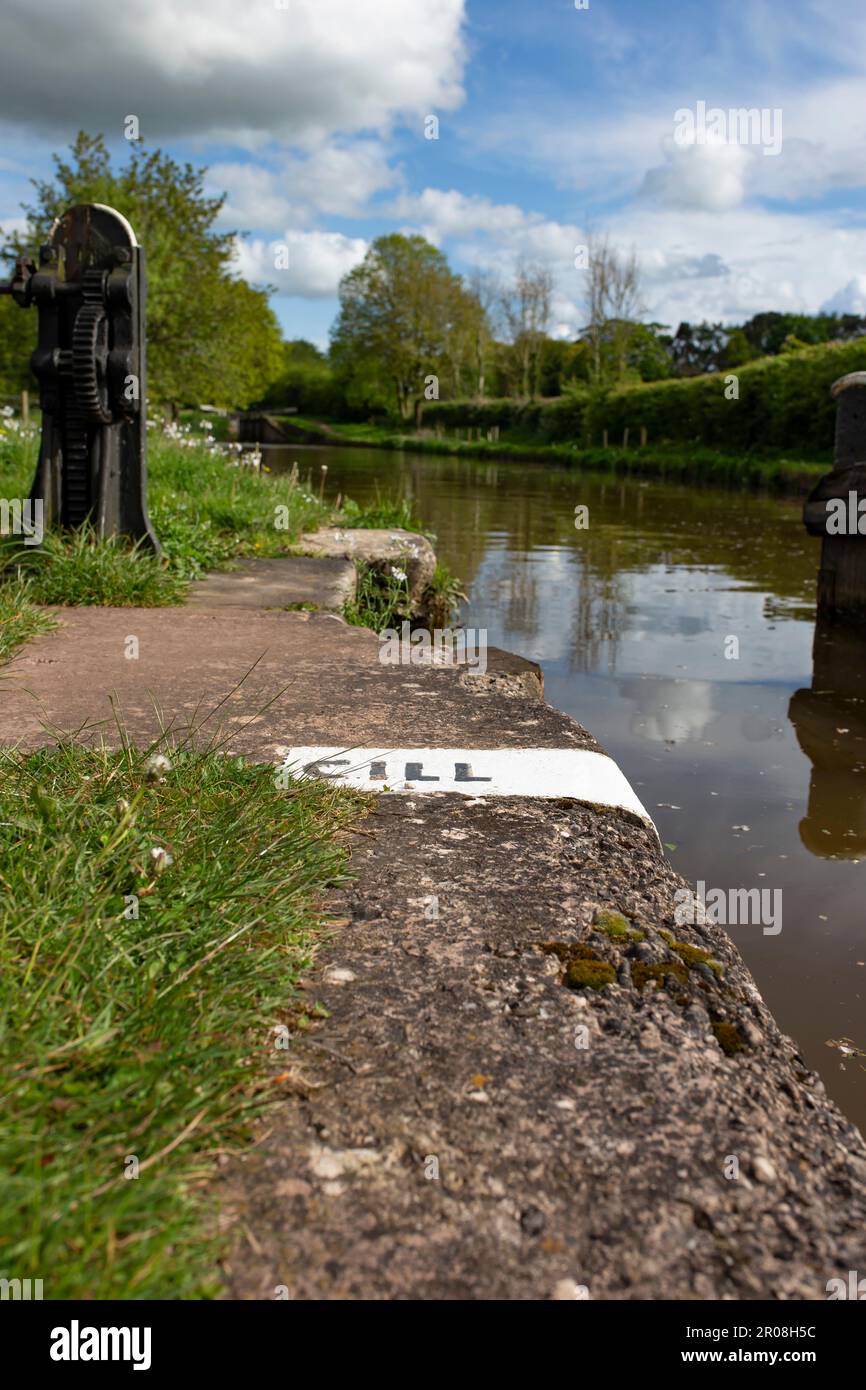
19	618
381	599
77	569
148	1037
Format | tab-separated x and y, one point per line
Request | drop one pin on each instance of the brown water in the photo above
754	778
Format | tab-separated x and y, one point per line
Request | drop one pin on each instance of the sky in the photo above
552	124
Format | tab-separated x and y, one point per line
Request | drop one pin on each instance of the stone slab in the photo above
283	582
378	546
464	1125
265	680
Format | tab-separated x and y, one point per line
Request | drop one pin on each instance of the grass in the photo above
206	508
381	599
20	619
385	513
77	569
149	1037
676	461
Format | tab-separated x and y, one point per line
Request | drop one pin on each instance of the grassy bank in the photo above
144	1044
677	462
775	407
207	507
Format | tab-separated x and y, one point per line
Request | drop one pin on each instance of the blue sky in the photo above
553	123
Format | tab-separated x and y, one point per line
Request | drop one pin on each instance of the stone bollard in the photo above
836	507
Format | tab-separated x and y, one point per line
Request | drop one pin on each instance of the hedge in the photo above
552	421
784	402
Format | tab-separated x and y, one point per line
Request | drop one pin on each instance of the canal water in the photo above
678	627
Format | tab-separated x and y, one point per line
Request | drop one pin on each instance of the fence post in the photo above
642	436
604	439
25	407
625	438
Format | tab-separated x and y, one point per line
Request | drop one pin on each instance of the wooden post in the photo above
25	407
604	439
625	438
643	436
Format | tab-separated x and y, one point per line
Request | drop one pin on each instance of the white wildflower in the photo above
156	767
160	859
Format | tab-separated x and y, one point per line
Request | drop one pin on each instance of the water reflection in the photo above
669	711
830	723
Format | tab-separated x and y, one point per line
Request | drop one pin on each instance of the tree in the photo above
563	364
614	305
697	348
767	332
400	315
649	351
17	341
526	310
486	293
736	351
306	381
210	336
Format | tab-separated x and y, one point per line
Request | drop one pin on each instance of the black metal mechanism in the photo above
89	290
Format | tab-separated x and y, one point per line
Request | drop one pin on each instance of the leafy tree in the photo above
696	349
736	351
305	381
767	332
17	341
402	311
210	336
562	364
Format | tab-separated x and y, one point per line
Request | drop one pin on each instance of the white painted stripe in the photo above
539	772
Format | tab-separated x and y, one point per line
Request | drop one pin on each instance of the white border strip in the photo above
538	772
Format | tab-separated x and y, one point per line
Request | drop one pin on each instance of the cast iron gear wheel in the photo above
90	395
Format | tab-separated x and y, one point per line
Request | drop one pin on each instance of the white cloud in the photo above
335	179
714	177
492	234
763	259
317	262
245	72
850	299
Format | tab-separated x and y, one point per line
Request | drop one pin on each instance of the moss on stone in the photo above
613	923
692	955
589	974
642	972
616	927
728	1038
584	968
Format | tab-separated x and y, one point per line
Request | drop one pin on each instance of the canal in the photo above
678	627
